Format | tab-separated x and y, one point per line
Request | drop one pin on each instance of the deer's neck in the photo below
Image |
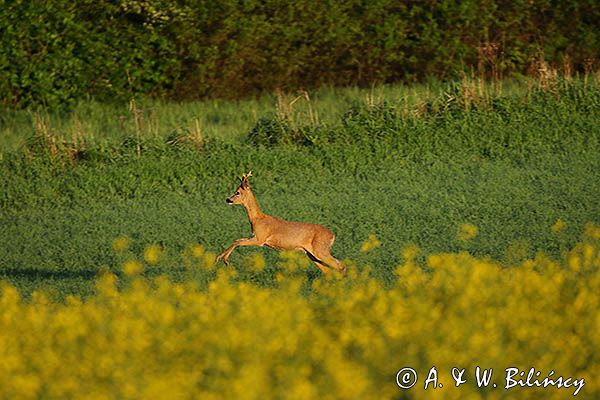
253	209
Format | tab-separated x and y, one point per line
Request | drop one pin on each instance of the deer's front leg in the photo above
240	242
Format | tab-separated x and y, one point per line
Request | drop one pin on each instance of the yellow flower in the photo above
152	254
197	250
410	252
305	338
435	260
574	263
133	267
121	244
208	260
592	231
558	226
106	284
466	232
371	243
256	262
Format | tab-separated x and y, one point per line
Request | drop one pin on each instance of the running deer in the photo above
314	240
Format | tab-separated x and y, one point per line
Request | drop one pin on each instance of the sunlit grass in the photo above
407	164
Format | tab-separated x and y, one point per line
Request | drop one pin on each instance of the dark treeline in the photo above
56	52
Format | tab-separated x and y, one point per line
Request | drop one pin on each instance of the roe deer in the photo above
315	240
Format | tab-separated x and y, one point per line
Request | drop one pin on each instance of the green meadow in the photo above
407	164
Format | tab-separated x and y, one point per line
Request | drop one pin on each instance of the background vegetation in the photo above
407	165
54	53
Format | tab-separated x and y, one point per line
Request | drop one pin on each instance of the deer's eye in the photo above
237	193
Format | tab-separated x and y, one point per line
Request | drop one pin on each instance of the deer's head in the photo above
242	192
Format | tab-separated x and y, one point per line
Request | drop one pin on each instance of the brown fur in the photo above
313	239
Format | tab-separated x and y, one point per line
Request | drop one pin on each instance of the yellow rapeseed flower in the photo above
208	260
152	254
132	267
197	250
341	338
592	231
256	262
371	243
574	263
410	252
558	226
121	244
466	232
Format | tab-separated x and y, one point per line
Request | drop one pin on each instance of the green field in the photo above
407	164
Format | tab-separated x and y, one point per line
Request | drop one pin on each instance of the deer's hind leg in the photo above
322	252
320	264
332	262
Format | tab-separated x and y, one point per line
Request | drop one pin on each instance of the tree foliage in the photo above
53	53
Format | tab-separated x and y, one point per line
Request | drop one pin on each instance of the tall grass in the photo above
102	123
405	164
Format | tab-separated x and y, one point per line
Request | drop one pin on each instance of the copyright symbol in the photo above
406	378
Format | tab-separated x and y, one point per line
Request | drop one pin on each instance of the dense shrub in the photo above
54	52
